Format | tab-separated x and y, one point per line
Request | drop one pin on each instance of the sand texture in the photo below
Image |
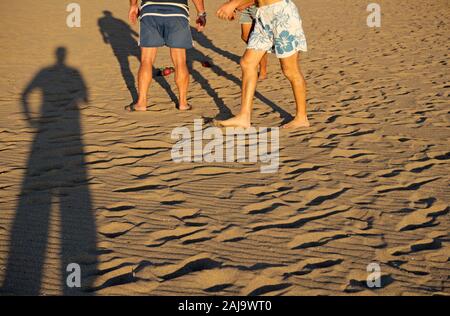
82	181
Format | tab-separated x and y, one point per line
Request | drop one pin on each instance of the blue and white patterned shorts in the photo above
278	29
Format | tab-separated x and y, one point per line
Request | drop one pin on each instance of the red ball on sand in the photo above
165	71
206	64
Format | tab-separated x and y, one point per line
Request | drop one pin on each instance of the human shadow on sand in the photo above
122	39
55	185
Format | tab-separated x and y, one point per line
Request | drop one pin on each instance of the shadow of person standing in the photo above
55	186
119	35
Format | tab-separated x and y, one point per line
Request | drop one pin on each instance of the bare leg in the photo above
246	29
249	64
291	70
148	55
181	75
263	68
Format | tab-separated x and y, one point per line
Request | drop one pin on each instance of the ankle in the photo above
301	117
244	115
141	102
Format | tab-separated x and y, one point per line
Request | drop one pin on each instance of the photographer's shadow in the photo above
55	185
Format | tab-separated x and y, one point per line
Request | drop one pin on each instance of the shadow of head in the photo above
61	55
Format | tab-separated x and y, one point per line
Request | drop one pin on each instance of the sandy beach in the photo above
91	184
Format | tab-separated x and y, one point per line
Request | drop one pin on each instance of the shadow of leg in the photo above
29	234
128	76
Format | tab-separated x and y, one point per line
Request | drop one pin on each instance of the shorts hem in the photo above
260	49
298	49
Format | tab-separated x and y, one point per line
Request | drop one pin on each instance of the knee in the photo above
146	65
293	75
247	64
146	61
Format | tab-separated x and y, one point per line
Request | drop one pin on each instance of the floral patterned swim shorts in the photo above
278	29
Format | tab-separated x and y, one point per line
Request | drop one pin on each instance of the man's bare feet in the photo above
186	107
237	121
136	108
297	123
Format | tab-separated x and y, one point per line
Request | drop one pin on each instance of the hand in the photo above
133	14
227	11
201	22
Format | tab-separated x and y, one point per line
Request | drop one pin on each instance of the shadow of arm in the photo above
34	84
102	31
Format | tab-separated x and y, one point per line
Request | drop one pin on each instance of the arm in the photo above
133	13
104	34
201	13
227	10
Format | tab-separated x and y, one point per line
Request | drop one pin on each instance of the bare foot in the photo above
186	107
262	76
297	123
237	121
136	108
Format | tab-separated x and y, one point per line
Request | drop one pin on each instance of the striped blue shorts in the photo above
165	25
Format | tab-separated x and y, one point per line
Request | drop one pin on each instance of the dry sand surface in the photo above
88	183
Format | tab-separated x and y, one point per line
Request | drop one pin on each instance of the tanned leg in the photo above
181	75
263	68
291	69
148	55
246	29
249	65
